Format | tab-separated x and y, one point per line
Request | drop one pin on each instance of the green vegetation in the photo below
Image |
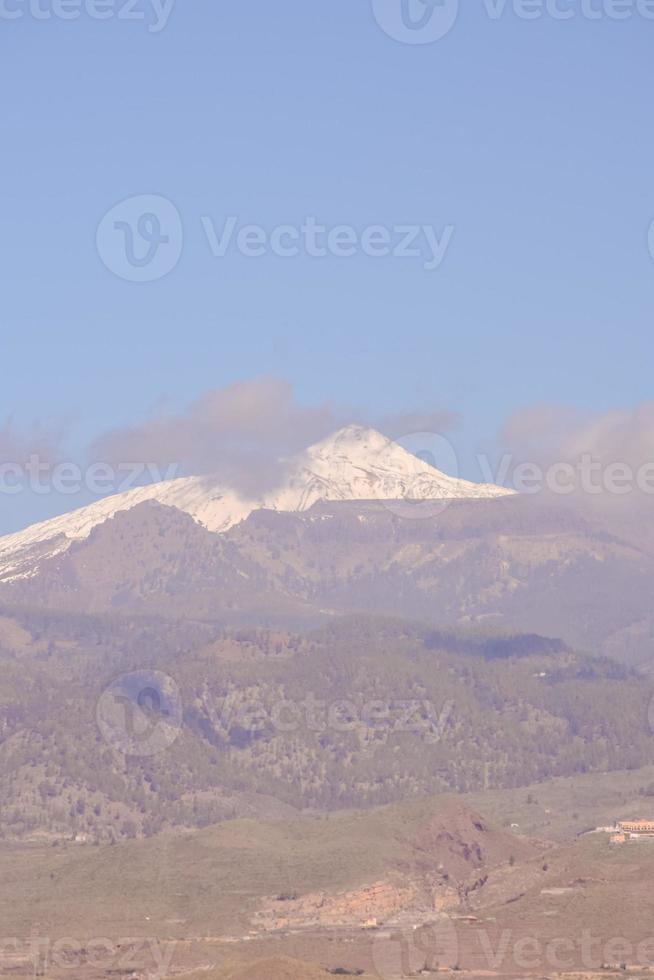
359	713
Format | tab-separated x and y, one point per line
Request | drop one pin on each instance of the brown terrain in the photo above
237	853
579	571
432	886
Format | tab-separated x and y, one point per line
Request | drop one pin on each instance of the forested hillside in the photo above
361	712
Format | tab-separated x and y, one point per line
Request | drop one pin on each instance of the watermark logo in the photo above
426	21
154	13
433	948
426	490
43	477
239	712
407	953
562	478
141	239
566	10
315	240
140	714
39	955
416	21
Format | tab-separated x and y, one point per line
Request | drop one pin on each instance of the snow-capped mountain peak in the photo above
354	463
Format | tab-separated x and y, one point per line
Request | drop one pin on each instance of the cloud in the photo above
241	433
604	450
17	446
410	423
550	433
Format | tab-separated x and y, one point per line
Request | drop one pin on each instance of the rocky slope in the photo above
557	569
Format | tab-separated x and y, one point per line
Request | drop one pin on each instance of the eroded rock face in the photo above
378	904
366	906
444	868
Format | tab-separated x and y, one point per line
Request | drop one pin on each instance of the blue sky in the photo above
532	139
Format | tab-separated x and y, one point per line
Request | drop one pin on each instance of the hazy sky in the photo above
524	145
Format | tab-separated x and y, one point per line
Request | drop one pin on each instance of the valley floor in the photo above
405	890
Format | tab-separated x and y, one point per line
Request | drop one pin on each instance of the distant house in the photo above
635	829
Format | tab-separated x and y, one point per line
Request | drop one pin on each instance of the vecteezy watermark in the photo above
155	14
243	713
426	21
564	10
584	475
140	714
315	240
435	946
43	477
141	239
39	955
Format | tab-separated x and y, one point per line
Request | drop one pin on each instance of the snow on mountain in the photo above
355	463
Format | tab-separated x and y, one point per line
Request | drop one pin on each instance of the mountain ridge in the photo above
354	463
